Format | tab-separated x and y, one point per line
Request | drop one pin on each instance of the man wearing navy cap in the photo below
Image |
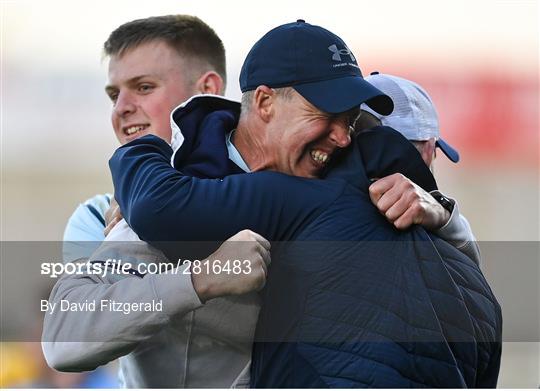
346	310
302	89
323	88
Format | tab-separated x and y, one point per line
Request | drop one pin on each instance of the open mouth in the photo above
135	129
320	157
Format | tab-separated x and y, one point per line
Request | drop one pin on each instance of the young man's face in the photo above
303	138
144	85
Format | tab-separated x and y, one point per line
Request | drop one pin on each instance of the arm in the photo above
404	203
84	229
457	231
156	198
113	216
79	341
88	220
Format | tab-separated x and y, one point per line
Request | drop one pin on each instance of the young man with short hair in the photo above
155	64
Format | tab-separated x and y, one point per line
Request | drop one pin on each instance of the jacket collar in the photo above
207	118
378	152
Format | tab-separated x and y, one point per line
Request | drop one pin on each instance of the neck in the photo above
250	146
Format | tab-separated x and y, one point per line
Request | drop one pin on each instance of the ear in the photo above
428	151
210	83
263	103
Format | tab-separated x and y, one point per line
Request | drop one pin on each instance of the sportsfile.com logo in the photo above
340	52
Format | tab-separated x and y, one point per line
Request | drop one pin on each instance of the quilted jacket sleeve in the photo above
161	204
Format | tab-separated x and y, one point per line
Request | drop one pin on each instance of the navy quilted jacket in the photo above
406	310
350	301
366	305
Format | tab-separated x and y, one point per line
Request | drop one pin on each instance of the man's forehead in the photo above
149	59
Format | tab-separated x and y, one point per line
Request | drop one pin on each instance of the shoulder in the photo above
100	202
88	220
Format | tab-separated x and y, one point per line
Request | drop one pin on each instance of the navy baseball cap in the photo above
316	63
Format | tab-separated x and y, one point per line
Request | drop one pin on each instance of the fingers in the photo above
245	245
261	260
262	246
265	243
261	273
266	256
249	235
404	203
397	209
392	196
260	239
264	267
389	199
401	201
111	224
263	249
112	211
112	216
262	279
413	215
381	186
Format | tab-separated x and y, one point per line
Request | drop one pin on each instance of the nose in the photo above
124	105
340	135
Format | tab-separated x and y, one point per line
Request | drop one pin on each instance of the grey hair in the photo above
247	97
419	145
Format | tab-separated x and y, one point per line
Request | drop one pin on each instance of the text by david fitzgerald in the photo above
101	305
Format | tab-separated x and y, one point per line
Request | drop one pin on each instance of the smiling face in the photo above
301	139
145	84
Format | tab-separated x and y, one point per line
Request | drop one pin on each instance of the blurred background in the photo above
478	60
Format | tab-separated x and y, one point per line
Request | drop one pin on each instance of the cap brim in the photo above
344	93
448	150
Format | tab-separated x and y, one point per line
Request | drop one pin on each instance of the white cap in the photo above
414	114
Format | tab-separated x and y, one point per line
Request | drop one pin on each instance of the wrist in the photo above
201	286
444	201
445	217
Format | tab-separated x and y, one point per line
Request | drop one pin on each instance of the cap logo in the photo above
340	52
